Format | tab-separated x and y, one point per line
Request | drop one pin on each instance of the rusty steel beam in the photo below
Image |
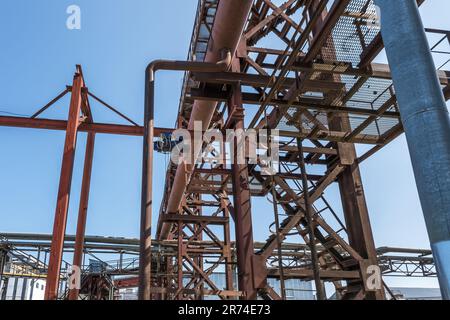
52	102
228	27
324	27
336	259
61	125
145	280
356	212
82	214
262	80
351	189
373	70
62	205
242	203
147	161
49	124
447	92
303	104
311	223
293	92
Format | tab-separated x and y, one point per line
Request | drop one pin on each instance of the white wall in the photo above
38	289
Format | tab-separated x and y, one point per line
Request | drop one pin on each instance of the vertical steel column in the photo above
62	206
242	204
180	252
199	259
354	202
350	183
279	241
224	202
82	212
227	249
3	258
229	23
425	119
145	256
320	292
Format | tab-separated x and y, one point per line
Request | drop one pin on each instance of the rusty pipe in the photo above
193	66
147	162
228	27
226	33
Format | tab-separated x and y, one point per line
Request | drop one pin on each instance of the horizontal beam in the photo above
302	273
374	70
226	172
194	219
263	81
303	103
47	124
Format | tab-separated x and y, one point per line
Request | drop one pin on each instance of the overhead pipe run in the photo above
229	23
147	162
193	66
425	119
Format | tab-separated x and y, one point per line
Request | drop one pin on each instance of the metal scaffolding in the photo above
26	256
303	68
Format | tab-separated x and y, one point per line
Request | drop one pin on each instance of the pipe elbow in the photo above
152	67
222	65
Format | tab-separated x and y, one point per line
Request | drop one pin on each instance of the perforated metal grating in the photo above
214	182
372	95
202	29
354	31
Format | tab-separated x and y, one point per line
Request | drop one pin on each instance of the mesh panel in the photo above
354	31
373	94
203	24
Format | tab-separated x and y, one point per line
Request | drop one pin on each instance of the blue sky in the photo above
117	40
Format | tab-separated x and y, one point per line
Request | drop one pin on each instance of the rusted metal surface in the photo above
147	161
395	262
242	203
83	210
311	224
62	204
229	22
147	191
317	84
332	121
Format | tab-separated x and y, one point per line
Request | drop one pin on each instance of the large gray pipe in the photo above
425	119
229	24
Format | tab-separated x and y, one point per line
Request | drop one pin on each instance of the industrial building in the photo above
304	77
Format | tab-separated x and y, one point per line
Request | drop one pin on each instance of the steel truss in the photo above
320	89
26	256
304	68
